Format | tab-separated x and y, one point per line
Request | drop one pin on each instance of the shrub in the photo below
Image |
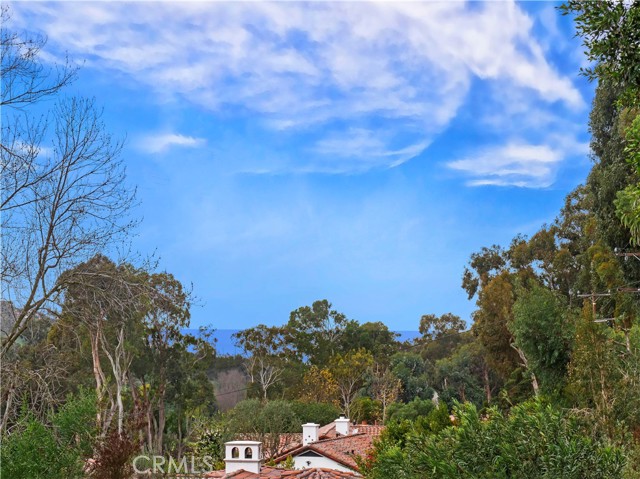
35	450
114	456
534	441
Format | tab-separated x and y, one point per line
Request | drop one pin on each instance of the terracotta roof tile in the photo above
370	429
342	449
328	432
275	473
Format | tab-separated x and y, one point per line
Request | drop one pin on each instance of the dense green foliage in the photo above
53	449
533	441
544	335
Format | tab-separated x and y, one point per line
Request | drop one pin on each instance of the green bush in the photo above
365	409
410	411
319	413
34	450
534	441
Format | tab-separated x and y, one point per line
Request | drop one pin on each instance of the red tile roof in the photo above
370	429
275	473
291	443
342	449
327	431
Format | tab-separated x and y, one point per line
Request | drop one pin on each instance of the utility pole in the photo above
594	297
626	254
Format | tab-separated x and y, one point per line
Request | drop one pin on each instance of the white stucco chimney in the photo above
342	426
245	455
309	433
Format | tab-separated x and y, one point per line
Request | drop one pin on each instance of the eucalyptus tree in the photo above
105	300
316	331
267	354
350	371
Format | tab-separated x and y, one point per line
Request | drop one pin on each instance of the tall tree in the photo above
104	299
543	330
372	336
166	306
349	371
385	387
611	35
61	203
441	335
267	353
315	331
609	31
415	375
318	385
433	327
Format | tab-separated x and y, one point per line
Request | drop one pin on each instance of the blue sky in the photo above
360	152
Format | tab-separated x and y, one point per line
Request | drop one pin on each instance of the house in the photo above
275	473
243	461
334	446
327	452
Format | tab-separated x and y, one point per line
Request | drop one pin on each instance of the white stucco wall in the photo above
301	463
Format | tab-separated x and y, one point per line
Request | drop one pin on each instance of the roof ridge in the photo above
321	441
338	438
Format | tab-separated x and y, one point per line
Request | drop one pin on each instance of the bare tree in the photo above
266	351
61	204
37	382
25	79
263	371
386	388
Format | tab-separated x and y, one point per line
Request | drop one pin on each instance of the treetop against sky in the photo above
360	152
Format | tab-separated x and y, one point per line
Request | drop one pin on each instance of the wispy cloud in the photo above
361	149
161	142
398	71
516	164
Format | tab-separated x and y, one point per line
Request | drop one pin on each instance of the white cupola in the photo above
309	433
342	426
245	455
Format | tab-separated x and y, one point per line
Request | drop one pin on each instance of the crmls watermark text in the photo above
188	465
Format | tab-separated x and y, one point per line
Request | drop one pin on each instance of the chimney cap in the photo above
243	443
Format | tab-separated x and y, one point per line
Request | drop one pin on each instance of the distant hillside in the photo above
7	316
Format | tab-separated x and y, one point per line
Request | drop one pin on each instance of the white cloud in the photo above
360	149
160	142
515	164
399	71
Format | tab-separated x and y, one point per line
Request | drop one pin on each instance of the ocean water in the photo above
225	343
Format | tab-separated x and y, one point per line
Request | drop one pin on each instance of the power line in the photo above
233	392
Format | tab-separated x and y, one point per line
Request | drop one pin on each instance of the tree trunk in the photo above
487	384
119	366
150	425
161	419
525	363
98	375
5	416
